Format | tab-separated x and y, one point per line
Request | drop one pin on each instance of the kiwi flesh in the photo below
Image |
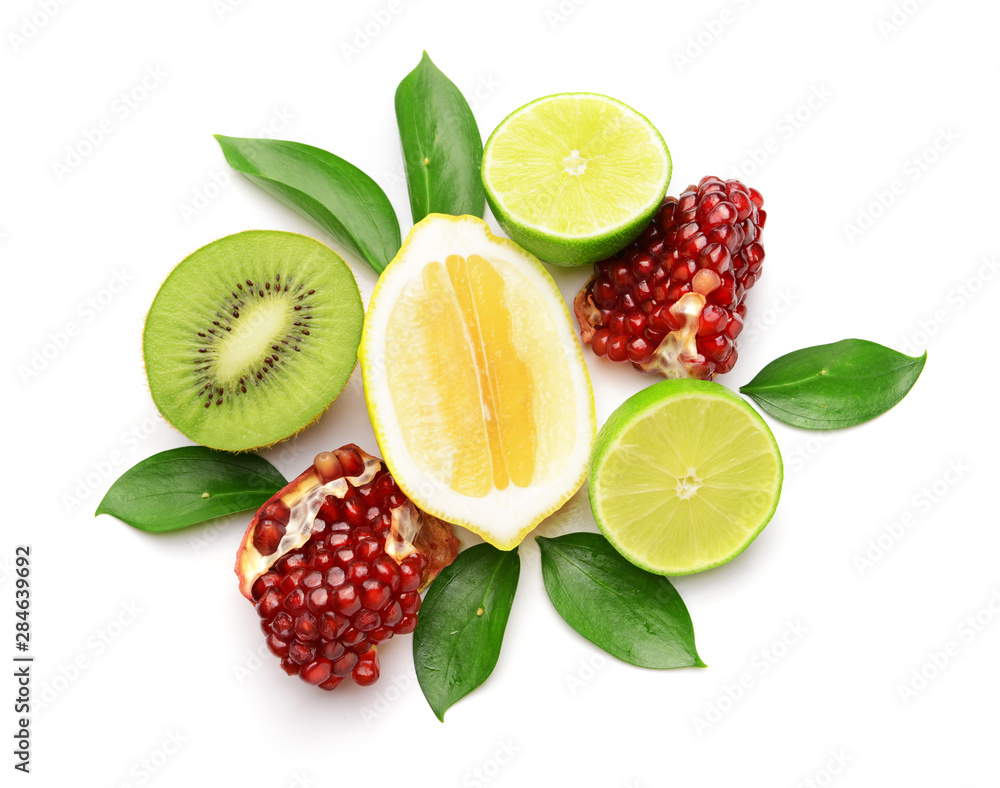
251	337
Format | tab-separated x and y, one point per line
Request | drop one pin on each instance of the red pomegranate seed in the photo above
345	599
410	602
344	665
277	646
358	571
734	326
639	350
267	536
393	614
616	348
367	620
283	625
306	628
700	254
642	265
324	606
301	653
375	594
350	461
366	672
406	625
316	672
635	322
712	320
604	293
270	603
715	348
318	600
599	342
332	625
295	601
617	323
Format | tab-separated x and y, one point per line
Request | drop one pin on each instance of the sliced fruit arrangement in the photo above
334	563
251	337
478	391
672	302
575	177
476	386
685	474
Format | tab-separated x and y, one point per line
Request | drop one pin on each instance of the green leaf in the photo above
442	147
632	614
181	487
457	641
828	387
324	188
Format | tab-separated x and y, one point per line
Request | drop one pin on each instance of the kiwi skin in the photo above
197	311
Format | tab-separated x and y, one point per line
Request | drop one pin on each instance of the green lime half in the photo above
575	177
683	476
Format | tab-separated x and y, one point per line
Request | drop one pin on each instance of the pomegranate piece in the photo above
333	564
671	303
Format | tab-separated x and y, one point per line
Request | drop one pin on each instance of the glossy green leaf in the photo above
181	487
632	614
828	387
442	147
457	641
324	188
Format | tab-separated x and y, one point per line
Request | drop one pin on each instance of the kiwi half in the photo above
251	337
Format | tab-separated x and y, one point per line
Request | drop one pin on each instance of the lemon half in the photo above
475	382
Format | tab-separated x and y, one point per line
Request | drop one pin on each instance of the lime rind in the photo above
532	154
635	465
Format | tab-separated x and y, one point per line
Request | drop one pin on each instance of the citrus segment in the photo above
685	475
475	383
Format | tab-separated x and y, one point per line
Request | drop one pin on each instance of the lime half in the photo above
684	475
575	177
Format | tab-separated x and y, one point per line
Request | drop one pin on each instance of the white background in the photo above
150	668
